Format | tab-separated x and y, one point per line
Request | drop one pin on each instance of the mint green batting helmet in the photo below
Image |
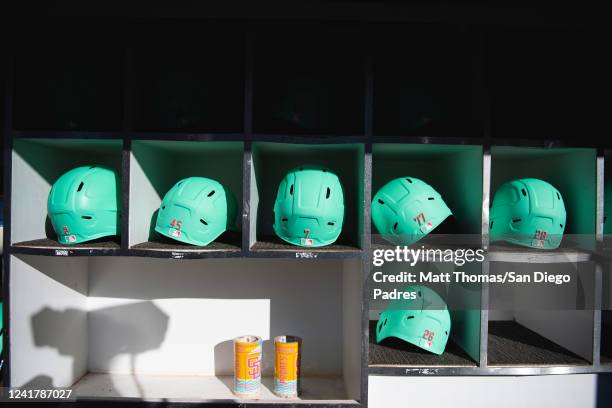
84	205
406	209
423	321
528	212
309	207
196	210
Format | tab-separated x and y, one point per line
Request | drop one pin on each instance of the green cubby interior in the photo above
426	81
463	302
37	164
272	161
64	81
537	324
571	170
455	171
308	80
177	89
157	165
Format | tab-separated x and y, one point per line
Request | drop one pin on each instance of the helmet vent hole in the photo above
328	193
492	224
211	193
385	323
408	180
331	223
203	222
395	226
163	207
558	196
410	317
381	201
561	225
524	192
284	220
446	332
517	220
431	198
86	217
80	187
291	190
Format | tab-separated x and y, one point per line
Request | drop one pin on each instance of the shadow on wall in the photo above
112	333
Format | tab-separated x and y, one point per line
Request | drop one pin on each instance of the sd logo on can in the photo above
247	366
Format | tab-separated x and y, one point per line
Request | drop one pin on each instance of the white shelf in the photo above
178	388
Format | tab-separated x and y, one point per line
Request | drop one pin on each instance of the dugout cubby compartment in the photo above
454	171
308	81
272	161
537	325
68	82
463	301
157	329
427	81
156	166
187	77
526	69
573	172
36	165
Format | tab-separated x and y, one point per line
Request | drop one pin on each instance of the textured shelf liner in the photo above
47	243
275	243
513	344
228	241
393	351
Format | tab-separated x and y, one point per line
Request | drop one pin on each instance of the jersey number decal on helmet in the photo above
540	236
420	218
428	335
